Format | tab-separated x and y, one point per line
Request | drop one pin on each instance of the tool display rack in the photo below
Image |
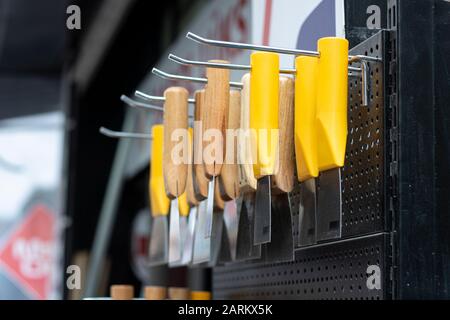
389	180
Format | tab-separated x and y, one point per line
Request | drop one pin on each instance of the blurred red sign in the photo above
28	253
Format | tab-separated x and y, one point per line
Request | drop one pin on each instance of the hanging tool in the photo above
159	202
217	98
306	145
175	170
193	204
281	246
331	124
202	243
245	249
228	182
264	99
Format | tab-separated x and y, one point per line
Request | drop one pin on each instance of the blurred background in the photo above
57	87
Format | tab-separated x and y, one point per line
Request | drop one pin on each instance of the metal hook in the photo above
139	105
247	46
120	134
232	66
218	64
365	83
170	76
148	97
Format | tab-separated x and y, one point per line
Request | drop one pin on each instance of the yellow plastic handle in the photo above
264	87
305	136
331	116
158	199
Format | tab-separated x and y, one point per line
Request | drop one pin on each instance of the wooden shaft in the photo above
217	98
284	175
122	292
230	169
175	118
199	175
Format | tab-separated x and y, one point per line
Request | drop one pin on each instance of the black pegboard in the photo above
362	177
335	270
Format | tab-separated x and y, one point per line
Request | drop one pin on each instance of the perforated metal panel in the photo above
337	270
363	173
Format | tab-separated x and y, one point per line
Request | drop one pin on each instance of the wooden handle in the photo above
247	180
284	176
217	98
230	169
199	174
122	292
155	293
219	202
175	118
175	293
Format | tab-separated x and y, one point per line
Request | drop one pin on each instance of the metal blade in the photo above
189	240
281	248
250	204
159	241
230	217
307	213
216	237
225	251
245	250
183	235
329	205
209	208
174	234
202	244
263	209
